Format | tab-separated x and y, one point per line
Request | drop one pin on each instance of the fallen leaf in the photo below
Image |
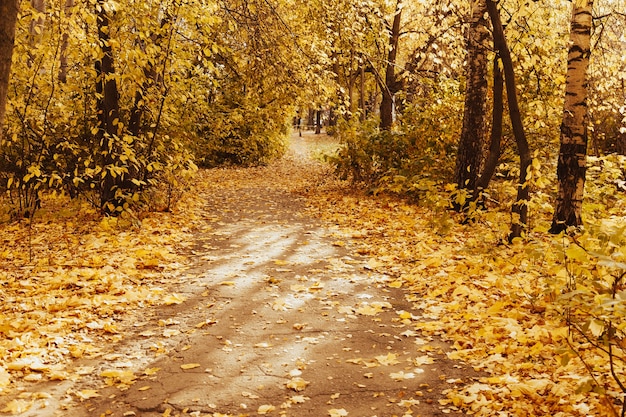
17	406
401	376
334	412
266	409
297	384
170	332
423	360
5	378
172	299
388	359
299	399
87	394
116	375
187	366
151	371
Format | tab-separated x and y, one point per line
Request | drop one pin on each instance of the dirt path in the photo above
278	318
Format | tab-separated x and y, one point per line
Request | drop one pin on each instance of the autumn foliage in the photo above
113	106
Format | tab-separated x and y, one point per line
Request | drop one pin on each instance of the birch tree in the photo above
571	167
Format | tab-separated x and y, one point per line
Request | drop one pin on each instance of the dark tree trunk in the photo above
8	11
108	111
389	87
470	151
520	207
318	122
572	165
491	162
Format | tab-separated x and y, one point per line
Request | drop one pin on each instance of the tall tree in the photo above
571	168
8	11
469	154
520	208
108	109
497	113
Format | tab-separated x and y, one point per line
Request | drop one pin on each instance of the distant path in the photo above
278	318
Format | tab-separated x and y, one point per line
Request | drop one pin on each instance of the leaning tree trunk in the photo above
491	162
390	87
8	11
572	162
520	207
469	154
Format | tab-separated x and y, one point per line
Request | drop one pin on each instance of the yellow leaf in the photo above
297	384
337	412
190	366
404	315
266	409
228	283
596	327
368	310
17	406
423	360
123	377
145	388
5	378
388	359
298	399
87	394
172	299
151	371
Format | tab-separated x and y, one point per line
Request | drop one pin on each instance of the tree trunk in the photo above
318	122
389	88
571	168
491	163
469	154
520	208
108	110
8	11
65	43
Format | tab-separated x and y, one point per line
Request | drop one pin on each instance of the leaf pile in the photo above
72	280
493	302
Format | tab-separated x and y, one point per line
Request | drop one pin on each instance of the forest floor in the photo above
275	314
280	290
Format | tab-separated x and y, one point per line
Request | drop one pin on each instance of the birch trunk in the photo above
572	162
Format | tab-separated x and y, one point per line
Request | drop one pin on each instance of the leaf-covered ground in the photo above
90	306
